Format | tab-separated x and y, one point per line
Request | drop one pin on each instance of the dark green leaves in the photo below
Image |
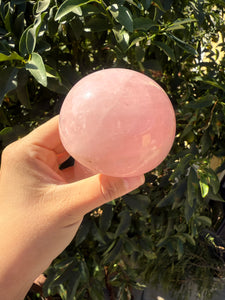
69	6
174	197
137	203
204	101
8	81
22	89
167	49
37	68
11	56
122	15
146	3
106	217
182	44
83	231
29	37
208	179
125	221
179	24
41	6
192	187
142	23
45	48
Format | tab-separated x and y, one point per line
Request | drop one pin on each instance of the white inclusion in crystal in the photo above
88	95
146	140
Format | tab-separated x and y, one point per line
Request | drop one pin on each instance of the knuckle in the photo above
109	188
9	151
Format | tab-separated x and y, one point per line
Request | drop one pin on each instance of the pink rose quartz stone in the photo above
117	122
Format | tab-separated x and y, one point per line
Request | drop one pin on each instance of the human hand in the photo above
41	206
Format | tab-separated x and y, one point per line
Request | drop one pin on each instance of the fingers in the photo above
47	136
76	173
77	199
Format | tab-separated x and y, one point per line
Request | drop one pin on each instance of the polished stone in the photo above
117	122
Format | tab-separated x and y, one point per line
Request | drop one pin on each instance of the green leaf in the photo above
96	292
3	117
205	142
125	221
22	89
174	195
180	248
31	39
83	230
185	46
23	42
192	187
11	134
37	68
146	3
12	56
159	5
91	10
167	200
182	166
137	203
23	96
97	24
179	24
204	188
4	47
137	40
18	25
98	234
52	24
166	49
112	255
28	39
202	102
122	15
106	217
8	81
42	46
215	84
122	38
204	220
175	27
189	238
215	197
41	5
143	23
54	81
8	19
162	242
73	285
69	6
189	210
139	53
213	181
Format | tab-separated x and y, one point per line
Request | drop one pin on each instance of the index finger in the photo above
47	136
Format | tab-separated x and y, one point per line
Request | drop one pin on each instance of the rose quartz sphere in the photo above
117	122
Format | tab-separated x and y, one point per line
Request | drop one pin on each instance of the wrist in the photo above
18	261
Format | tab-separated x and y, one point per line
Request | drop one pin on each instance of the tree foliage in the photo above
151	234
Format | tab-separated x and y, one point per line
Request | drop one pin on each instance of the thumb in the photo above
80	197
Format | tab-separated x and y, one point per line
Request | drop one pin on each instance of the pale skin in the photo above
41	207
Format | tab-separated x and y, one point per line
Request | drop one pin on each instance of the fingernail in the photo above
134	182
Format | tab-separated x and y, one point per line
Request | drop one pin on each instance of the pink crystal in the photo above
117	122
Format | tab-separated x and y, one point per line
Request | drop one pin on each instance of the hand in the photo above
41	207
